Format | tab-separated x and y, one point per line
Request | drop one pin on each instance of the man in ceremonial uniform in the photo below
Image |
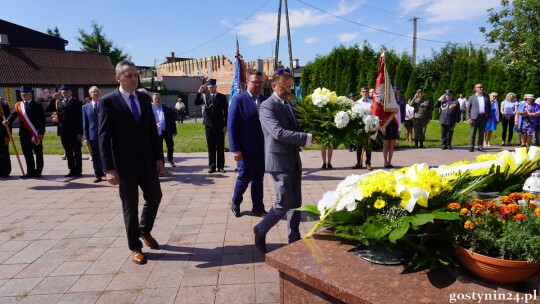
5	162
31	131
70	127
215	110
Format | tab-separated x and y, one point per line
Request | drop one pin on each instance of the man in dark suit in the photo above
70	127
31	131
5	162
131	155
90	113
167	126
282	141
478	114
246	142
215	108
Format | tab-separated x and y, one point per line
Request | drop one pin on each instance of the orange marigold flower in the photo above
520	217
477	201
506	200
512	209
515	196
464	211
528	197
478	207
490	206
532	205
468	225
537	212
454	206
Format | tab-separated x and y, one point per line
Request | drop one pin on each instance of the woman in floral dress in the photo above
527	119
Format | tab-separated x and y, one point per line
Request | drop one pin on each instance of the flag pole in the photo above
11	140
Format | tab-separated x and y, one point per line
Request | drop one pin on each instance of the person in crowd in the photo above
32	129
508	110
90	117
478	115
46	93
70	127
166	125
215	110
402	111
180	110
282	141
408	123
462	106
326	154
360	150
492	124
527	120
422	116
353	97
87	143
5	161
131	155
450	115
246	142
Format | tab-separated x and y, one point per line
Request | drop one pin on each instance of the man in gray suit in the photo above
282	141
478	114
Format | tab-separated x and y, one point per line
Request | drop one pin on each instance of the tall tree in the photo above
515	27
458	78
414	83
403	72
55	32
96	41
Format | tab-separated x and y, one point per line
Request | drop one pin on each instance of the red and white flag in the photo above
384	104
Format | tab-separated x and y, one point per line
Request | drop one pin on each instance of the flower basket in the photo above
495	270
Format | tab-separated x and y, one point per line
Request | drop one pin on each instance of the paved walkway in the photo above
63	240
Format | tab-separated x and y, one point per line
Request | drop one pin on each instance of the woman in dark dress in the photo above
527	119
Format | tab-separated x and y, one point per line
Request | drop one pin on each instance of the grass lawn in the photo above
191	138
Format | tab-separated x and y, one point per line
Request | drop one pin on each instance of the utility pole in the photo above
414	19
289	38
470	48
277	35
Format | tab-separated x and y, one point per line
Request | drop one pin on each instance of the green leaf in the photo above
400	230
309	208
375	230
421	219
446	215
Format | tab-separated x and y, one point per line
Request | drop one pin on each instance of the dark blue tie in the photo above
134	108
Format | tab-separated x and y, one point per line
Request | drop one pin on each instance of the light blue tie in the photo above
134	108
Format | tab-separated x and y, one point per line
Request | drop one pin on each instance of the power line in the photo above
375	10
392	33
225	32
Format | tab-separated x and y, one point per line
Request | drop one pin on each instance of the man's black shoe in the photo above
212	170
70	174
260	241
27	176
222	170
449	147
262	213
481	149
235	210
471	149
444	147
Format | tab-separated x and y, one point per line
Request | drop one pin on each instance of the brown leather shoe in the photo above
357	166
149	241
98	179
368	167
138	257
172	164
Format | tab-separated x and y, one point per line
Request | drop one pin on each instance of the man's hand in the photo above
40	137
56	95
6	123
224	130
159	167
202	88
86	141
112	177
237	156
79	137
469	121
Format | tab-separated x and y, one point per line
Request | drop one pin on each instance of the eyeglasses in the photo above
128	75
479	87
281	72
256	82
363	92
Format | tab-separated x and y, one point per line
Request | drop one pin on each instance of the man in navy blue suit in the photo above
131	156
246	142
90	131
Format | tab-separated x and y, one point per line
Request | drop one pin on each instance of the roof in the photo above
20	36
31	66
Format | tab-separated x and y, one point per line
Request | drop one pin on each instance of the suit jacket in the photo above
214	113
170	114
35	113
244	126
282	138
472	107
3	131
90	122
123	143
69	116
450	112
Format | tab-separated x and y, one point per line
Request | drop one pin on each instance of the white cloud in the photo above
128	46
434	32
445	10
346	37
262	28
311	40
